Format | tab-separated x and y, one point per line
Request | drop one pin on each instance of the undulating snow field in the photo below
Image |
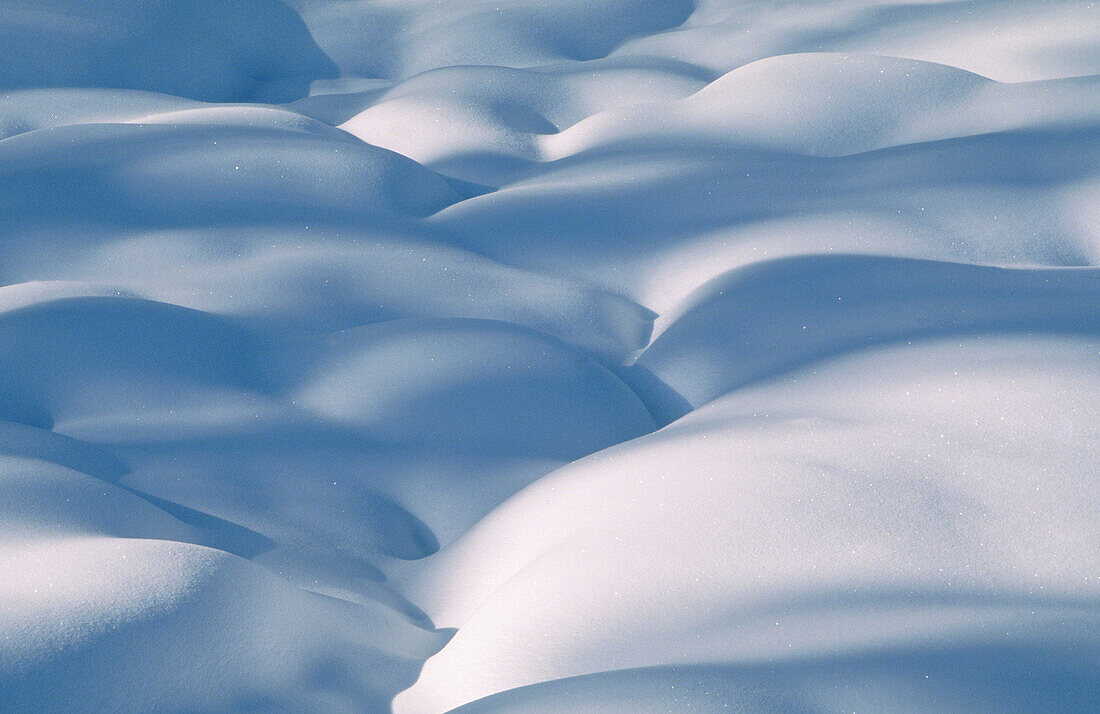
549	356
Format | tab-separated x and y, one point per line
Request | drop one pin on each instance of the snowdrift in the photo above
527	356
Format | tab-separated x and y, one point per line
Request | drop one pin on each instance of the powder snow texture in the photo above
549	356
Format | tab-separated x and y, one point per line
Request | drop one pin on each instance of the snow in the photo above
549	356
813	517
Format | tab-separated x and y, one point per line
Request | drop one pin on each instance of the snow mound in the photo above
253	49
149	175
764	319
975	679
476	119
808	521
1006	41
831	104
314	279
94	357
32	109
400	39
74	611
478	386
819	104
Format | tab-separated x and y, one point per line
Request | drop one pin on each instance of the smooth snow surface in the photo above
549	356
